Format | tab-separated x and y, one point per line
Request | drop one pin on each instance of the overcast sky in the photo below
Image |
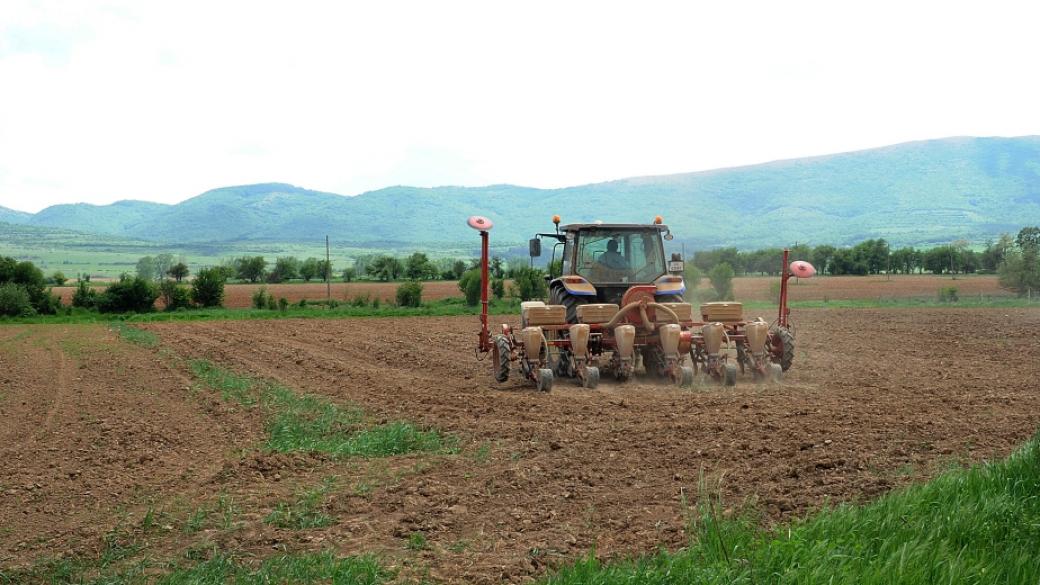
101	101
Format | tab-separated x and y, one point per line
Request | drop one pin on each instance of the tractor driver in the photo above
611	258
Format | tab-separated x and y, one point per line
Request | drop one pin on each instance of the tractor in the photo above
618	306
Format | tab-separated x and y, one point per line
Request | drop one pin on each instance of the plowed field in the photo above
876	399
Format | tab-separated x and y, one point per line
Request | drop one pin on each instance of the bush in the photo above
360	300
498	288
30	279
272	304
207	290
409	294
283	304
14	301
948	294
469	284
130	294
260	298
58	278
84	297
721	277
528	283
174	297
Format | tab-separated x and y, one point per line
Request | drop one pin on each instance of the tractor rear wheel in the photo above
500	358
559	296
783	347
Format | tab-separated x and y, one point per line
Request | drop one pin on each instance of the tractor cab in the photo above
600	262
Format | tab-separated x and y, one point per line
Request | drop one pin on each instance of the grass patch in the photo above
304	512
978	525
219	569
301	422
231	386
134	335
417	541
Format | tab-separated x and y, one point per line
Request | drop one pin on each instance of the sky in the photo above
161	101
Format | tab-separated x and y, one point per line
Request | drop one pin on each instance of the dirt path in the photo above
877	398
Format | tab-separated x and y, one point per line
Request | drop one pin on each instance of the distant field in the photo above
74	253
829	288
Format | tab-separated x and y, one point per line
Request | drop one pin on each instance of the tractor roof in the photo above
612	226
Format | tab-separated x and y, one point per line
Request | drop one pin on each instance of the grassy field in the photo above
107	257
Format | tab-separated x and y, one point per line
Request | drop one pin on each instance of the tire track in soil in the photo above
872	393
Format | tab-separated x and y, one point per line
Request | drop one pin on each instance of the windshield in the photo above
615	255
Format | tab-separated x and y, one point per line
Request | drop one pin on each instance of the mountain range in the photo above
916	193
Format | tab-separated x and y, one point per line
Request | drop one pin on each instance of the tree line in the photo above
1014	258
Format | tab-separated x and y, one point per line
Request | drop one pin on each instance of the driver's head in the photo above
612	246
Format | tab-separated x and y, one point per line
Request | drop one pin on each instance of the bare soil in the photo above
876	399
897	286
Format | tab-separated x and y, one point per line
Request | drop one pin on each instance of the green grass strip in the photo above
221	569
301	569
134	335
302	422
978	525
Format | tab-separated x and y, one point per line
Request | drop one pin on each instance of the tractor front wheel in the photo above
783	347
500	358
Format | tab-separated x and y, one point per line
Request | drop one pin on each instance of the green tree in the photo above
1021	269
207	290
528	283
419	267
721	277
58	278
163	263
309	269
84	297
906	260
325	270
178	271
469	284
29	278
349	274
285	268
251	268
458	267
146	268
14	301
409	294
386	268
131	294
821	258
174	296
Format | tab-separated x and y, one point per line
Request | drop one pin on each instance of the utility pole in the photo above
328	271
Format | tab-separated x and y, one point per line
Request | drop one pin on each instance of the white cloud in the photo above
161	100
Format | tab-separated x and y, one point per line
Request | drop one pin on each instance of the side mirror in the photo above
534	247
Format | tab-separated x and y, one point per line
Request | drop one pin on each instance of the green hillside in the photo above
915	193
12	216
122	218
